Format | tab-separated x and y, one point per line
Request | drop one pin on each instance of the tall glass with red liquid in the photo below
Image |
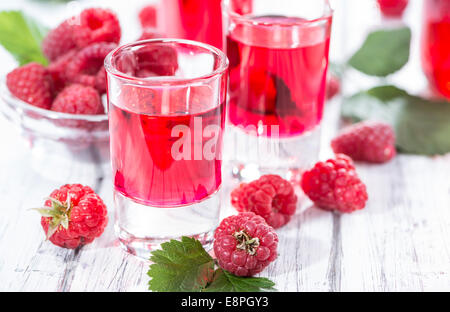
436	44
199	20
278	52
166	115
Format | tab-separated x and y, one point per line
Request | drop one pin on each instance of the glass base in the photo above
252	156
141	228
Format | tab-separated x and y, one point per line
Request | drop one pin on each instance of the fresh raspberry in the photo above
366	141
96	25
31	83
147	16
245	244
87	68
334	185
78	99
73	216
271	197
57	70
392	8
59	41
333	86
262	97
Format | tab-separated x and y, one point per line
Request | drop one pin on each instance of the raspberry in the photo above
366	141
271	197
244	244
147	16
333	86
31	83
78	99
87	66
262	97
96	25
334	185
73	216
392	8
57	70
59	41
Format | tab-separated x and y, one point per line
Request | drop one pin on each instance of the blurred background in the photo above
353	20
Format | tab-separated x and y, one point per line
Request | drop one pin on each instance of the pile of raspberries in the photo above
75	78
247	243
332	185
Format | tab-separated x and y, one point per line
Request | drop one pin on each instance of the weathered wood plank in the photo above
401	241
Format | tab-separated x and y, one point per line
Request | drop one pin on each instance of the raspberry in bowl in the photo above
56	99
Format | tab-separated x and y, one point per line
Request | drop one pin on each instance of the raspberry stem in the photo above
247	243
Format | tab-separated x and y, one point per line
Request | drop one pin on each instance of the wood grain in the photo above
400	242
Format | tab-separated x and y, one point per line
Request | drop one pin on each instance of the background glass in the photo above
278	52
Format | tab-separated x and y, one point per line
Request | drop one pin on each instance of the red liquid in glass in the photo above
199	20
277	83
436	44
143	165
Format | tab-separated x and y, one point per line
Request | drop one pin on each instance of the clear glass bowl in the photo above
58	139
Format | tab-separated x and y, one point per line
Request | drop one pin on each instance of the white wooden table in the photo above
400	242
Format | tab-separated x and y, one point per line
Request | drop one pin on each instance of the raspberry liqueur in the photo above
143	159
277	83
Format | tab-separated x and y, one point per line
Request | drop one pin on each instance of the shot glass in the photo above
435	45
166	119
278	52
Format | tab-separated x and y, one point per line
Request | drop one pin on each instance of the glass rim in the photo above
167	80
247	18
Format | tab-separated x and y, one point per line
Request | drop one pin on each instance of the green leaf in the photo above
227	282
22	37
422	126
384	52
180	266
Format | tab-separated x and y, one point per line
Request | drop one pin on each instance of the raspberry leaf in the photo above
184	265
22	36
383	53
227	282
180	266
422	126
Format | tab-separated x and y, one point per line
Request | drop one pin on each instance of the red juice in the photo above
436	44
199	20
277	75
143	163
